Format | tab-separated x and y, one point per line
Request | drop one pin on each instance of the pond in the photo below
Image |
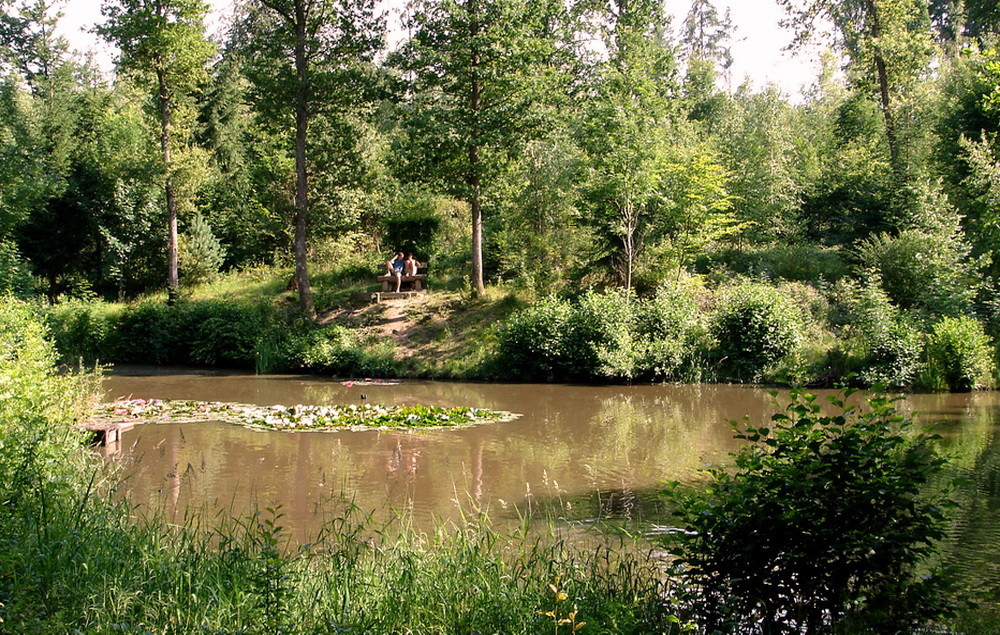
577	455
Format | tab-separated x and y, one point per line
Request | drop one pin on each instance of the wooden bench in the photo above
389	282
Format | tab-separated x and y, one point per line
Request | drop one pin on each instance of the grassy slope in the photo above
446	333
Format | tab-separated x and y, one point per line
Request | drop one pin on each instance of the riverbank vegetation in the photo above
684	331
75	555
649	224
845	234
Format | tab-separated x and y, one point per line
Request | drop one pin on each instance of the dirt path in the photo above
391	319
395	322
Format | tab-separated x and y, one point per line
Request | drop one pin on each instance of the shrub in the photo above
220	333
822	526
756	327
534	343
879	343
924	270
335	350
601	340
85	331
413	230
960	355
38	439
671	333
803	263
794	262
15	275
150	334
197	332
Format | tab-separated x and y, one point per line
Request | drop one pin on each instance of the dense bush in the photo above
960	355
534	343
803	263
612	335
37	411
879	343
929	271
15	275
755	327
672	334
199	333
220	333
85	331
601	338
823	527
414	230
799	262
209	333
334	350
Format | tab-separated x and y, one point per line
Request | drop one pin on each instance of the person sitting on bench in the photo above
394	267
411	265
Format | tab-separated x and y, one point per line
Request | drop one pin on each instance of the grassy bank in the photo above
693	329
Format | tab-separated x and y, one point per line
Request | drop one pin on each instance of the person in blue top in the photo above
394	267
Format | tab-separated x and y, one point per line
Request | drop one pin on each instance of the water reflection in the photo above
581	453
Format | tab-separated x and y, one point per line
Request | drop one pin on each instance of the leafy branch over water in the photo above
297	417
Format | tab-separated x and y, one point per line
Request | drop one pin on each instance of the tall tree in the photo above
954	19
163	46
705	34
888	43
478	69
307	57
626	129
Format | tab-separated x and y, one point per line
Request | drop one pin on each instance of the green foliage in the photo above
37	412
755	327
879	342
534	343
85	331
960	355
609	336
928	270
15	277
758	144
201	254
414	230
332	349
601	337
795	262
824	525
193	332
671	334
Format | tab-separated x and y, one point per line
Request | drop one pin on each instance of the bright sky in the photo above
757	49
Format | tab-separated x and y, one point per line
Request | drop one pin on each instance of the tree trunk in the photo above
301	183
473	180
477	221
168	188
628	241
885	98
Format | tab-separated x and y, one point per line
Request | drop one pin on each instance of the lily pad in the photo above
298	417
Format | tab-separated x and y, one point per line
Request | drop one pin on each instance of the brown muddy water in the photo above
578	454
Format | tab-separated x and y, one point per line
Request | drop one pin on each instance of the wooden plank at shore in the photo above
107	432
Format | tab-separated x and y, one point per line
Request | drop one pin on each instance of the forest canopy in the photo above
553	146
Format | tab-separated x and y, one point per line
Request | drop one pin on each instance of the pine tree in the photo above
201	253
